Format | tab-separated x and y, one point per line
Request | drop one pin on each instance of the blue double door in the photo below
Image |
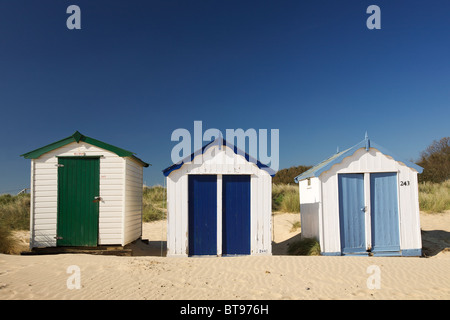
383	212
203	203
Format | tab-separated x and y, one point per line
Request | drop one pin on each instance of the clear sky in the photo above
137	70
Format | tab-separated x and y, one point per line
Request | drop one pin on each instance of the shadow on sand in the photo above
147	248
144	247
281	248
434	242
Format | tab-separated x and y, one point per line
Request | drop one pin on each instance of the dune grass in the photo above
434	197
15	211
154	203
304	247
14	215
285	198
6	241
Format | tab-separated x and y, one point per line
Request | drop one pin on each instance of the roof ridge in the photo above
219	141
79	137
326	164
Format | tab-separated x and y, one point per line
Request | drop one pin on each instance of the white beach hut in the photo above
220	205
362	201
84	192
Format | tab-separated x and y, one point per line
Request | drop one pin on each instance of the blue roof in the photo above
218	142
338	157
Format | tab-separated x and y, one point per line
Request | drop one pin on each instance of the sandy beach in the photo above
148	275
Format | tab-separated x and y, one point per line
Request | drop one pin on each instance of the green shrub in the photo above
435	161
286	176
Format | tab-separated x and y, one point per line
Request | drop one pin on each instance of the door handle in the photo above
364	209
97	199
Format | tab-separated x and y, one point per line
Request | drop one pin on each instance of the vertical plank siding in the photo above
202	215
351	214
384	212
218	162
326	206
77	217
236	214
309	202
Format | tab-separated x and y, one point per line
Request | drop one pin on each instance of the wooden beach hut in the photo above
362	201
220	205
84	192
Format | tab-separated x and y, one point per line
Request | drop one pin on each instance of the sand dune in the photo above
263	277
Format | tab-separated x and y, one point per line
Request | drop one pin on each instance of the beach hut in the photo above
220	205
362	201
84	192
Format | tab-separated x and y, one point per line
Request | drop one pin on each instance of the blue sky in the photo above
137	70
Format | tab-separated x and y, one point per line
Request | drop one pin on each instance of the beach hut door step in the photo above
382	236
78	215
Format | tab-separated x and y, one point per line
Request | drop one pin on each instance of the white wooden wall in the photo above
310	208
366	162
217	161
133	201
44	195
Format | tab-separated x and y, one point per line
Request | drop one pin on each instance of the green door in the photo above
78	187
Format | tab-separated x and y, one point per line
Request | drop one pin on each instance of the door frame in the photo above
222	203
397	189
219	217
190	227
367	203
361	249
96	185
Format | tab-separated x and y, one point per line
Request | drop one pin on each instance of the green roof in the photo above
77	137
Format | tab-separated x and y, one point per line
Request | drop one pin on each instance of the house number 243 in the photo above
404	183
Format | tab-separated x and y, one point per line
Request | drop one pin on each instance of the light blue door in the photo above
384	213
352	213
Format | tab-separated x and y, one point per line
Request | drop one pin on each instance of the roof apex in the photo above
325	165
77	137
220	141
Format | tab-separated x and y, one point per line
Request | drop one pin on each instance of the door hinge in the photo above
59	165
58	238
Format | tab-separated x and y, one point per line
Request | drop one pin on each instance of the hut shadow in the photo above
281	248
434	242
146	248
